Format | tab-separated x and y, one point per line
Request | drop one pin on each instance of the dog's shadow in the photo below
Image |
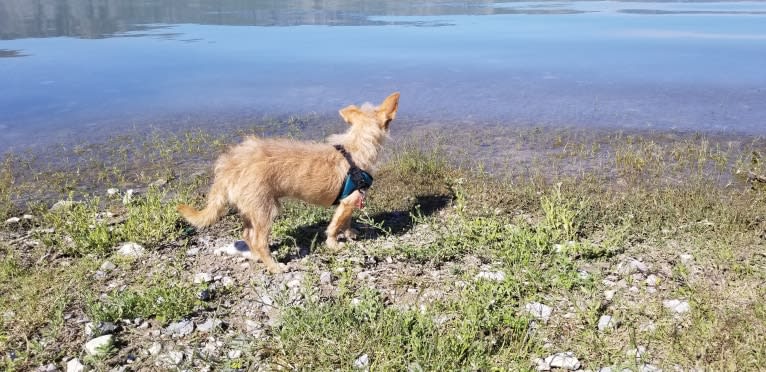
395	222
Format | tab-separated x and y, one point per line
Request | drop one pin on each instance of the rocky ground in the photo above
453	270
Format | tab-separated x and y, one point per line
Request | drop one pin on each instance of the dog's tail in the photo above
217	205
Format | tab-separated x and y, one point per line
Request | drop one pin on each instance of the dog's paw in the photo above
333	244
351	233
274	268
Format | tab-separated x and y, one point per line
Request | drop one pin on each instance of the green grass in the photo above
84	228
556	204
164	302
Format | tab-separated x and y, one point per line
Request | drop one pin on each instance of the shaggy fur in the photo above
254	175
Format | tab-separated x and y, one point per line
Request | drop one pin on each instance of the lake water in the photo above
77	68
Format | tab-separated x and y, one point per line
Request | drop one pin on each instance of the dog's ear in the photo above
348	113
387	109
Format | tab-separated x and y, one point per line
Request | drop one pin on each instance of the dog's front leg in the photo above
341	220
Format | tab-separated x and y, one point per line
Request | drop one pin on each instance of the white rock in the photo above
686	259
182	328
295	283
74	365
325	277
63	204
637	353
202	278
237	248
605	369
497	276
609	295
633	266
649	368
539	311
108	266
99	345
131	249
252	326
542	365
128	197
676	306
227	281
267	300
209	325
564	361
234	354
27	217
192	251
172	358
606	322
652	280
112	191
50	367
362	362
12	220
155	348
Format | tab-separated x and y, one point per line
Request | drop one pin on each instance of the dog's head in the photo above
371	117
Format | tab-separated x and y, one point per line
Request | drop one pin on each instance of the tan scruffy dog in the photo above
254	175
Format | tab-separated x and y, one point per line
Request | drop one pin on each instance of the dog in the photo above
254	175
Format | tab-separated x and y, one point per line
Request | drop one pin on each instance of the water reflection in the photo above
98	19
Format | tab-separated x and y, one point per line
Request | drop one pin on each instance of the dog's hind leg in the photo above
257	227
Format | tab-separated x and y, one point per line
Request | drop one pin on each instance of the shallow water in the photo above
78	69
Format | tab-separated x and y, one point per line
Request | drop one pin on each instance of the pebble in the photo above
99	345
131	249
325	277
107	266
539	311
637	353
565	361
200	278
172	358
112	191
128	197
362	362
609	294
606	322
686	259
252	326
237	248
227	281
63	204
267	300
497	276
633	266
74	365
155	348
676	306
50	367
234	354
295	283
182	328
649	368
192	251
12	220
652	280
209	325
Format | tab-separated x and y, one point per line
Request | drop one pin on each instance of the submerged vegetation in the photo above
462	246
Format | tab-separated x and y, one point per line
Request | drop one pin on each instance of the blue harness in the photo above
356	179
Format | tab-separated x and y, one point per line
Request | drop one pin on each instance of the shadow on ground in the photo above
395	222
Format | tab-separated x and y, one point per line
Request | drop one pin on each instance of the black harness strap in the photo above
360	179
